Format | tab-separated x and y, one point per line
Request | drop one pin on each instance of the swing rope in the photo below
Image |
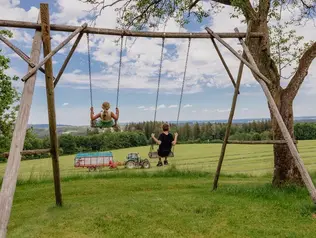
158	88
119	77
183	81
89	64
119	74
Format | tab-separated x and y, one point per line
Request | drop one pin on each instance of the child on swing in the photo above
105	116
165	142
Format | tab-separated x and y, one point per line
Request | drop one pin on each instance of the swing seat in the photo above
102	124
154	154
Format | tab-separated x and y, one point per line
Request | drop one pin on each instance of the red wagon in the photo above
95	160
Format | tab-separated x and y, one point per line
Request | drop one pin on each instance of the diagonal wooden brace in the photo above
53	52
63	67
287	137
20	53
231	114
237	55
224	63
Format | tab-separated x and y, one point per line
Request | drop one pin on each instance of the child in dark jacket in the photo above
165	142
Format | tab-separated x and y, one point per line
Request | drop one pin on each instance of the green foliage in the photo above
101	142
8	98
305	131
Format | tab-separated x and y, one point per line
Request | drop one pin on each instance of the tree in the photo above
8	98
196	131
271	53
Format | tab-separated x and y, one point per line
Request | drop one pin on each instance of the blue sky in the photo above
208	90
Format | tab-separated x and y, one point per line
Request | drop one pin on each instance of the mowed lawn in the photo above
247	159
168	201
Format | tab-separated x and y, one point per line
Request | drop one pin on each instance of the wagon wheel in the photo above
130	165
146	164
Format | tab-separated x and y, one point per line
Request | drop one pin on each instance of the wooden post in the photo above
224	63
287	137
227	133
63	67
51	100
232	111
20	53
213	34
13	165
53	52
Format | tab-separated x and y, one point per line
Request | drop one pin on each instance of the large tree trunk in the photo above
285	170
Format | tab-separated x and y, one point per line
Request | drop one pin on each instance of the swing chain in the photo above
158	87
183	81
119	73
89	64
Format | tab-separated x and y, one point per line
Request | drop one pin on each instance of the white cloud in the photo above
141	107
187	105
161	106
65	104
222	110
141	61
245	109
173	106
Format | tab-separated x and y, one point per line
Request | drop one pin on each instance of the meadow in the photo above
172	201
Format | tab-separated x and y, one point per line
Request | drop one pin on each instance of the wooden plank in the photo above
224	63
51	100
213	34
287	137
13	165
28	152
115	32
20	53
63	67
259	142
53	52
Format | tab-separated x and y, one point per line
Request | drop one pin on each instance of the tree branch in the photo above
264	6
192	5
225	2
301	72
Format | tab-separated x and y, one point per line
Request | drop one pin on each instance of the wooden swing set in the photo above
42	36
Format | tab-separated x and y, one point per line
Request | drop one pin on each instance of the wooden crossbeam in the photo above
53	52
115	32
63	67
20	53
259	142
286	135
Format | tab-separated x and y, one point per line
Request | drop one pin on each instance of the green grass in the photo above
173	201
248	159
162	207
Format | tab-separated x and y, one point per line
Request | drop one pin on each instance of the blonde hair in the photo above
106	105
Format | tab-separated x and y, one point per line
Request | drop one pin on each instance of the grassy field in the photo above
173	201
247	159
